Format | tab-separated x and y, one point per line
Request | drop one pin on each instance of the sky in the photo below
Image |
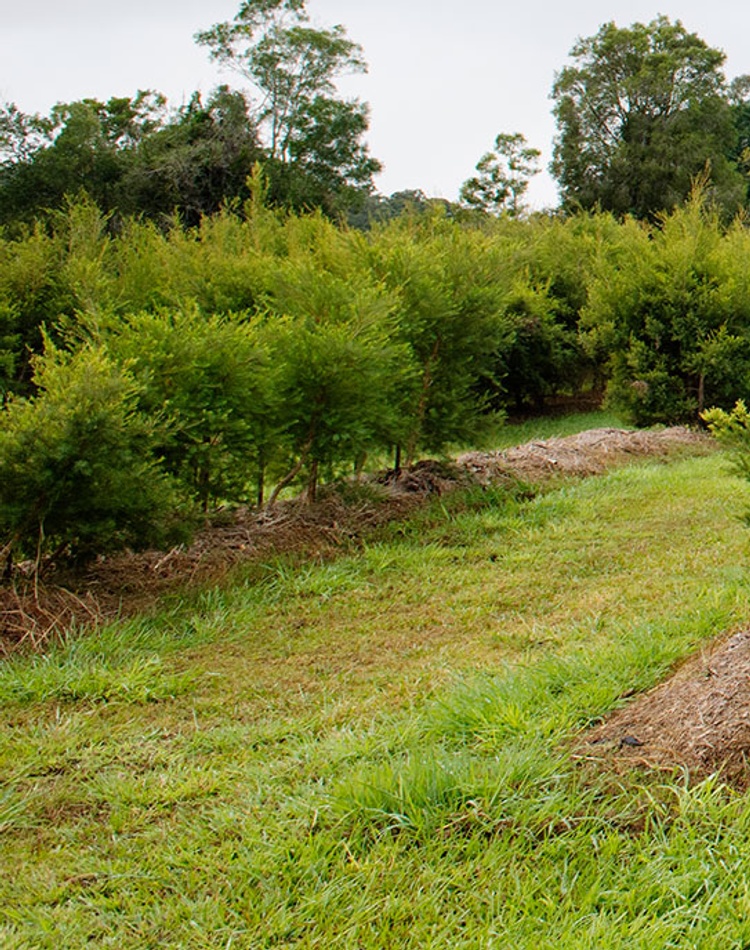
444	77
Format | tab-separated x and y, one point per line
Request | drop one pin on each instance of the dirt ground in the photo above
697	720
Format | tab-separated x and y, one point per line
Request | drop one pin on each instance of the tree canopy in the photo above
641	112
312	136
138	156
131	156
502	176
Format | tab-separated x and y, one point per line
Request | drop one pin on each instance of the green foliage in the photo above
32	293
134	157
643	111
671	307
542	358
9	348
503	176
195	163
20	134
564	253
209	383
279	349
85	145
77	472
732	429
81	230
451	316
336	392
313	138
334	332
375	208
267	345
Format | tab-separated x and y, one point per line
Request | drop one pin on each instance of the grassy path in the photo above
372	752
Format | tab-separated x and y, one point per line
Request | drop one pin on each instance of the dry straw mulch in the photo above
697	720
589	453
31	616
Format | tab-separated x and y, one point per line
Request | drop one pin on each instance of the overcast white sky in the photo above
445	77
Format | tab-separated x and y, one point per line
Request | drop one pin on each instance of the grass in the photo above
374	752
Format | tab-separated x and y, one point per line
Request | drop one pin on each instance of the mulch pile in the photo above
588	453
31	615
697	720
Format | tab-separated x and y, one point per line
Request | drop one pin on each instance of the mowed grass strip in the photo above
374	751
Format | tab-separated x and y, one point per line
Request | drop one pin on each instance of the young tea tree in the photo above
336	394
78	475
450	315
209	382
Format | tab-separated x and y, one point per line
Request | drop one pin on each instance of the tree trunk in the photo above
202	481
261	479
38	561
294	470
359	466
312	483
397	460
8	569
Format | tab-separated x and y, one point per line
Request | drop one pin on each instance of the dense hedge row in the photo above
157	371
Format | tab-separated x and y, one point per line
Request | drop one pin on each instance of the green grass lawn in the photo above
375	751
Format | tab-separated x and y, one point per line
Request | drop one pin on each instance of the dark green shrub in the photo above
209	382
77	471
